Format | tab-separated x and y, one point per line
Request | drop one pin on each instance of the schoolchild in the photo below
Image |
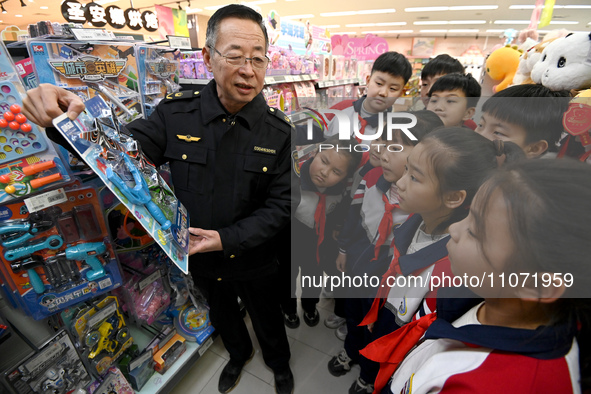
454	98
389	73
322	182
523	338
527	115
442	174
434	69
367	233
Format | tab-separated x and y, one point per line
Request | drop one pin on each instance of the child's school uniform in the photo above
365	239
414	253
309	229
458	354
359	119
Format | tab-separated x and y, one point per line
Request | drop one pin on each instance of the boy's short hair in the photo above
427	121
346	147
393	63
455	81
441	65
540	114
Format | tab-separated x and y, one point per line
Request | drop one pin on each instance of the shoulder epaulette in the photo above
279	114
185	94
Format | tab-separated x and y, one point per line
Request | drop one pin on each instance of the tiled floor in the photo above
311	349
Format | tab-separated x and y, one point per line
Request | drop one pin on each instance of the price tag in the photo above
152	278
140	360
288	78
179	42
46	200
92	34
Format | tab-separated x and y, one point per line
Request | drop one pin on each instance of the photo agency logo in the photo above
387	122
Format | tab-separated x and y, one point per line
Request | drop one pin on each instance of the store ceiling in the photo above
387	23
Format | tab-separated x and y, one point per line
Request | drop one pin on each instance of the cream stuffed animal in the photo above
565	63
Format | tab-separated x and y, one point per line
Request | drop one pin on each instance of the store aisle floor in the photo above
311	349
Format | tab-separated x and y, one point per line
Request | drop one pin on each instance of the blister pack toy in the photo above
55	251
114	383
28	160
118	161
147	295
55	369
159	74
89	69
101	334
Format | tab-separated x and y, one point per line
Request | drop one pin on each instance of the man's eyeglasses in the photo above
239	61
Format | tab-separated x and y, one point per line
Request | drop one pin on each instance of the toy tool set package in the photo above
107	69
28	161
55	251
101	334
117	159
159	75
55	369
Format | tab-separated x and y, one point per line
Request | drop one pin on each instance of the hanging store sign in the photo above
117	18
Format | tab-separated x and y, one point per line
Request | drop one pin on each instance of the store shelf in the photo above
273	79
328	84
162	384
190	81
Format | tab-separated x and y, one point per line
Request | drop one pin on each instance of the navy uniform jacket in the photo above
235	179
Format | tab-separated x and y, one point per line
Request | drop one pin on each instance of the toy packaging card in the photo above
28	161
107	69
55	369
55	251
117	159
114	383
159	74
101	335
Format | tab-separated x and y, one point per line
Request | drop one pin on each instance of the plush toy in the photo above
502	65
565	63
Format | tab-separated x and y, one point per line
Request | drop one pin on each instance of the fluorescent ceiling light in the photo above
340	13
19	16
564	22
425	9
361	12
330	26
400	31
360	25
476	22
511	22
384	11
463	31
374	31
352	33
495	30
473	7
431	23
303	16
44	7
453	8
433	31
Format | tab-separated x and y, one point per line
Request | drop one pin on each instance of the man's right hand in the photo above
47	102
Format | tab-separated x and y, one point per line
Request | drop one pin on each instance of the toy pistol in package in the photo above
117	159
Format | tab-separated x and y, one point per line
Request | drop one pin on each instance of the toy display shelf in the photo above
330	83
162	384
269	80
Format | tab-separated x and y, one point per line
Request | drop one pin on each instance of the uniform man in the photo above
229	155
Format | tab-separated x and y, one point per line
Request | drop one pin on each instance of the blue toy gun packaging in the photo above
55	251
28	161
118	161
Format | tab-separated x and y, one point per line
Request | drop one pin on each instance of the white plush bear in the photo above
565	63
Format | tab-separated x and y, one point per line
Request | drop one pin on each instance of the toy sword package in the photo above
117	159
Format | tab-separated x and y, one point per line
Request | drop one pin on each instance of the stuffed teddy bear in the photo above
502	65
565	63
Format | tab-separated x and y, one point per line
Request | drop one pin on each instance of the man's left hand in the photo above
201	241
